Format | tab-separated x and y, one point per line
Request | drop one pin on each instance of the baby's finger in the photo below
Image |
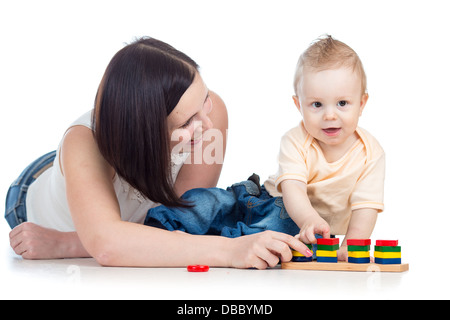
303	236
310	236
324	230
304	239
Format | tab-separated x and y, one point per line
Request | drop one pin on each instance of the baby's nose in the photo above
329	114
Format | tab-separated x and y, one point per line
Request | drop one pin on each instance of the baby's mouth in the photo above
331	131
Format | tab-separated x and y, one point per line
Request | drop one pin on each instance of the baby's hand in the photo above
311	227
342	253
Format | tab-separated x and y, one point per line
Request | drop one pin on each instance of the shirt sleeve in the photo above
292	161
369	189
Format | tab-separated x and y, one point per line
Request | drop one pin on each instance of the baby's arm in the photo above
299	207
360	226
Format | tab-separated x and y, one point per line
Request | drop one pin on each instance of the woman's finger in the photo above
264	254
14	232
294	243
281	249
14	242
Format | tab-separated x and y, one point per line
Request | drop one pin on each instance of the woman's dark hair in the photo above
141	86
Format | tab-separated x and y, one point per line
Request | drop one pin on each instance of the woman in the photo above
121	159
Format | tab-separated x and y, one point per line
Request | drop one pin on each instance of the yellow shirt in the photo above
353	182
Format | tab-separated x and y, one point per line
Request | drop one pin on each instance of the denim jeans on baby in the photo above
242	209
15	208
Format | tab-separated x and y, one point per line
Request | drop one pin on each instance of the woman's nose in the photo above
208	106
207	123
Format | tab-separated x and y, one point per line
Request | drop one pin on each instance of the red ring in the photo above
197	268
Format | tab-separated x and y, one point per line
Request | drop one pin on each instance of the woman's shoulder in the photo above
84	120
79	147
219	113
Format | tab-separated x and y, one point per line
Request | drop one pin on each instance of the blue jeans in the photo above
15	208
241	209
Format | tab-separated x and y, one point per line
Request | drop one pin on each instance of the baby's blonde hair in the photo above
328	53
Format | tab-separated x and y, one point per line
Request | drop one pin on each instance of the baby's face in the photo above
331	102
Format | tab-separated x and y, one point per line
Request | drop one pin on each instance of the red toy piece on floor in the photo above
197	268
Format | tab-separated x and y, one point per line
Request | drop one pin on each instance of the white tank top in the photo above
46	200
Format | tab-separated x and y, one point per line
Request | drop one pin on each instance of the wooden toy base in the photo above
345	266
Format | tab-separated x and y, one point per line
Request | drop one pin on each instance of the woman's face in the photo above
189	119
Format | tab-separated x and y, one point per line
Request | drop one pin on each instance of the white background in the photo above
53	55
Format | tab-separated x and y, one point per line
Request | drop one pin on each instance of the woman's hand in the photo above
35	242
265	249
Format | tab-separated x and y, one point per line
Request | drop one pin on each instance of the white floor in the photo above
85	279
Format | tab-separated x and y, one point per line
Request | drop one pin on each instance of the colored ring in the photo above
387	255
297	254
388	249
388	261
387	243
328	241
197	268
358	260
327	259
301	259
358	242
359	254
324	253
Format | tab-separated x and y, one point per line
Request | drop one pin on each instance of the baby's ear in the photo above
297	103
364	99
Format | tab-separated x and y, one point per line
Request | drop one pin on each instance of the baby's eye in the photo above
342	103
316	104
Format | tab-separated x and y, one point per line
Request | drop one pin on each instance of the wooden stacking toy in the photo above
327	250
358	250
387	254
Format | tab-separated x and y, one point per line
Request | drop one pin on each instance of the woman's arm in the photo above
112	242
206	174
32	241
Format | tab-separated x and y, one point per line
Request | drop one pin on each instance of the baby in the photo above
331	172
